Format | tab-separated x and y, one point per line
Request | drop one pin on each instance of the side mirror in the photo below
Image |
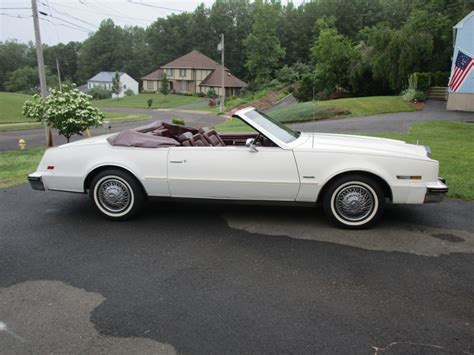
250	142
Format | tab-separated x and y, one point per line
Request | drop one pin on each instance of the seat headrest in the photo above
185	136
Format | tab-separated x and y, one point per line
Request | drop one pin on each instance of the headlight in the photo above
428	151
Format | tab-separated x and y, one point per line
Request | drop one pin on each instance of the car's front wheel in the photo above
354	202
116	194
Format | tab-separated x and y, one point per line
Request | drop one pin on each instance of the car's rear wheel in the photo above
116	195
354	202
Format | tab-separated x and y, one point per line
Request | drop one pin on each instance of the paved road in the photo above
193	278
36	137
387	123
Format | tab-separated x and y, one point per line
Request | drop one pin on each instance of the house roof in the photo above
156	75
230	80
197	60
104	76
461	23
194	59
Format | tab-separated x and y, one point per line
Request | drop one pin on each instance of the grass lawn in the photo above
16	165
371	105
140	101
452	144
11	105
304	111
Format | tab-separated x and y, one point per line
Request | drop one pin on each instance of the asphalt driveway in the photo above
217	278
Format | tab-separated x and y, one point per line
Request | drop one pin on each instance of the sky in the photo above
73	20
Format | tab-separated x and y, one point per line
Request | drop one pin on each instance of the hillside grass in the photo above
371	105
11	105
140	101
322	110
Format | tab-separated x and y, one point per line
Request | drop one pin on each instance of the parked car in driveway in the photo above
352	176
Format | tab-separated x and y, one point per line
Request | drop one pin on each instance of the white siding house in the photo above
461	96
104	80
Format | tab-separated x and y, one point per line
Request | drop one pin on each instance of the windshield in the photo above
275	128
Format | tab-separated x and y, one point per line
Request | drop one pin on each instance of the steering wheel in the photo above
258	138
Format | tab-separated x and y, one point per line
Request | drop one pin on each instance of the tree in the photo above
331	53
262	44
165	86
13	56
26	80
116	85
67	56
105	50
69	111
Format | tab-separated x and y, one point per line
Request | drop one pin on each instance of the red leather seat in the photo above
212	137
188	139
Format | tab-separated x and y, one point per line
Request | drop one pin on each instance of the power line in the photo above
66	21
15	16
155	6
66	14
63	25
108	12
15	8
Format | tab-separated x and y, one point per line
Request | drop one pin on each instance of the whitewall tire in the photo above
354	202
116	195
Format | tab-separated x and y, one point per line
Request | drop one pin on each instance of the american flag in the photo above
463	65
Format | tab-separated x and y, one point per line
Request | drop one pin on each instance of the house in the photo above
461	88
104	80
194	73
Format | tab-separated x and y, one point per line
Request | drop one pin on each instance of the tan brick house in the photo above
194	73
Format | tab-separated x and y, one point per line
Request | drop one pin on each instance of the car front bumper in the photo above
435	192
36	182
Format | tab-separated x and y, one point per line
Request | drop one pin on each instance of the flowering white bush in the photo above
69	111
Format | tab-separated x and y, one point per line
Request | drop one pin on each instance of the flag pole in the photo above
223	74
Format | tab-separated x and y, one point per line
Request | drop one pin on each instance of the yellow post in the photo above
88	133
22	144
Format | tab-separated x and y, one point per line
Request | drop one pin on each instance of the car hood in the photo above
359	144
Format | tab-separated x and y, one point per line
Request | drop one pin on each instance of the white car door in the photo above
233	172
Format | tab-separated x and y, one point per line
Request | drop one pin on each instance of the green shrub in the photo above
440	78
412	95
211	92
149	102
423	81
178	121
99	93
129	92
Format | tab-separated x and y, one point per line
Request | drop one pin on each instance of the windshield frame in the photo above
270	134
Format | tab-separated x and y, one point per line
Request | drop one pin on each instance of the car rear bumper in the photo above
435	192
36	182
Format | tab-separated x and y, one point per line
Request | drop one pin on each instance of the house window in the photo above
124	87
182	72
169	72
149	85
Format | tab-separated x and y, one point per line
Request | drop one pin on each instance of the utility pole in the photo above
59	75
42	75
223	74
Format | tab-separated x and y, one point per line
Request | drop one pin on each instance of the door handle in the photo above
176	161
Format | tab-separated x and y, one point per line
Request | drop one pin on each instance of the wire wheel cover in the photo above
354	202
114	195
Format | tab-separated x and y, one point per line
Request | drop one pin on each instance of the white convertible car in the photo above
352	176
